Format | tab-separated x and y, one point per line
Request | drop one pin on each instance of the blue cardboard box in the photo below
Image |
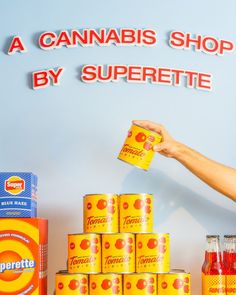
18	194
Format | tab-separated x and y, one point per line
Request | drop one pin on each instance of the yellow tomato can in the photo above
177	282
118	253
101	213
136	213
153	253
138	147
71	284
105	284
84	253
140	284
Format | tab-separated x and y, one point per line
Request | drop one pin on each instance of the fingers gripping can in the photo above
174	283
84	253
71	284
138	147
118	253
101	213
105	284
140	284
136	213
152	253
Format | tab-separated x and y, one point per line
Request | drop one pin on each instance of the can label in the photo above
71	284
118	253
140	284
138	147
213	284
136	213
84	253
231	284
152	253
173	284
101	213
105	284
23	256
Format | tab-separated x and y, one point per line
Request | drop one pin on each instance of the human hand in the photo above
168	147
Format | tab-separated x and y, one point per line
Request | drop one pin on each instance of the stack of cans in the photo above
118	253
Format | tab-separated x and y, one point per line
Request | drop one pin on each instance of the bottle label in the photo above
213	284
231	284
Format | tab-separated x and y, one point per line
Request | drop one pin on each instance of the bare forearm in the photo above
218	176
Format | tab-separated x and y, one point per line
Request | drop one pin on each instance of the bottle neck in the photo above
213	252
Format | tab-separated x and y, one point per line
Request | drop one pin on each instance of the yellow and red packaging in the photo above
138	147
105	284
136	213
177	282
118	253
101	213
84	253
71	284
231	284
214	284
153	253
23	256
140	284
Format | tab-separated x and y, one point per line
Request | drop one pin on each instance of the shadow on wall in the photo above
172	195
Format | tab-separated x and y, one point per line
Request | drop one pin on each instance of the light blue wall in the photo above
70	135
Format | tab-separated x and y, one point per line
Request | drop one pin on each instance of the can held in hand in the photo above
84	253
118	253
101	213
71	284
138	147
140	284
153	253
105	284
177	282
136	213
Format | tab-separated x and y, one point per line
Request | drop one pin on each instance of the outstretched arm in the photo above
216	175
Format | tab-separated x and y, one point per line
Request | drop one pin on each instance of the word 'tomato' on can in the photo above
140	284
136	213
118	253
138	147
71	284
84	253
152	253
101	213
177	282
105	284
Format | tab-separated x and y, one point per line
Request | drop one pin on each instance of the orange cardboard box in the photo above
23	256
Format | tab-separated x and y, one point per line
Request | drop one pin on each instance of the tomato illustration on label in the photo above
178	284
148	209
141	284
74	284
150	289
106	284
164	285
140	137
147	146
85	244
111	209
102	204
152	243
120	244
83	290
138	204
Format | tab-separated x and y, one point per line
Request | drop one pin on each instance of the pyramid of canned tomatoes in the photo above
118	253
